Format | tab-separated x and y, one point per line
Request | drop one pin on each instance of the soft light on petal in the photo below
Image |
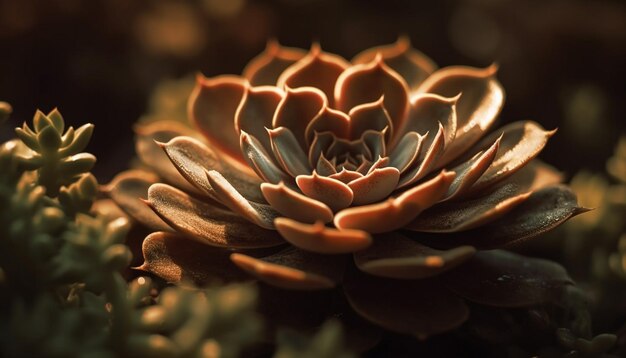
317	69
207	223
469	214
521	142
397	212
370	116
346	176
431	151
481	99
128	189
470	171
256	111
542	211
331	192
407	151
329	120
258	213
177	258
321	142
267	66
297	108
375	186
261	161
294	205
288	151
212	107
411	64
294	269
192	159
325	167
319	238
429	111
153	156
366	83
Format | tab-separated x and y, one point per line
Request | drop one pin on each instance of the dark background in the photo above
562	63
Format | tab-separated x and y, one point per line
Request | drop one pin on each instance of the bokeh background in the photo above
562	62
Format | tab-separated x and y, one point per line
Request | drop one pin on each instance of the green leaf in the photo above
81	139
40	121
57	120
29	139
49	139
68	137
88	186
29	163
77	164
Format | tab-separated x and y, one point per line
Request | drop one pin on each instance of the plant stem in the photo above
115	290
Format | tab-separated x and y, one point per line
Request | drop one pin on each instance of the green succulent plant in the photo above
62	292
55	153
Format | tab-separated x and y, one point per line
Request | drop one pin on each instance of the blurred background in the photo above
563	62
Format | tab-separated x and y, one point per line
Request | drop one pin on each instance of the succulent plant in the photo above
55	153
61	289
378	175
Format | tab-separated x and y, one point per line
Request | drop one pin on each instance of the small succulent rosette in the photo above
379	176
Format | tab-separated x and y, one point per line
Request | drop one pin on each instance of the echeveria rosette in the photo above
311	171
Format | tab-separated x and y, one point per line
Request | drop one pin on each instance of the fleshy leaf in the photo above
212	107
419	307
375	186
322	239
431	151
267	66
396	212
395	256
294	269
177	258
346	176
317	69
481	99
206	223
469	213
407	151
542	211
366	83
261	161
294	205
297	108
128	189
411	64
369	116
192	159
521	142
428	111
288	151
329	120
256	111
153	156
504	279
326	168
262	215
470	171
331	192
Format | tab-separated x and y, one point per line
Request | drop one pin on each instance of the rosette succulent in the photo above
379	175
